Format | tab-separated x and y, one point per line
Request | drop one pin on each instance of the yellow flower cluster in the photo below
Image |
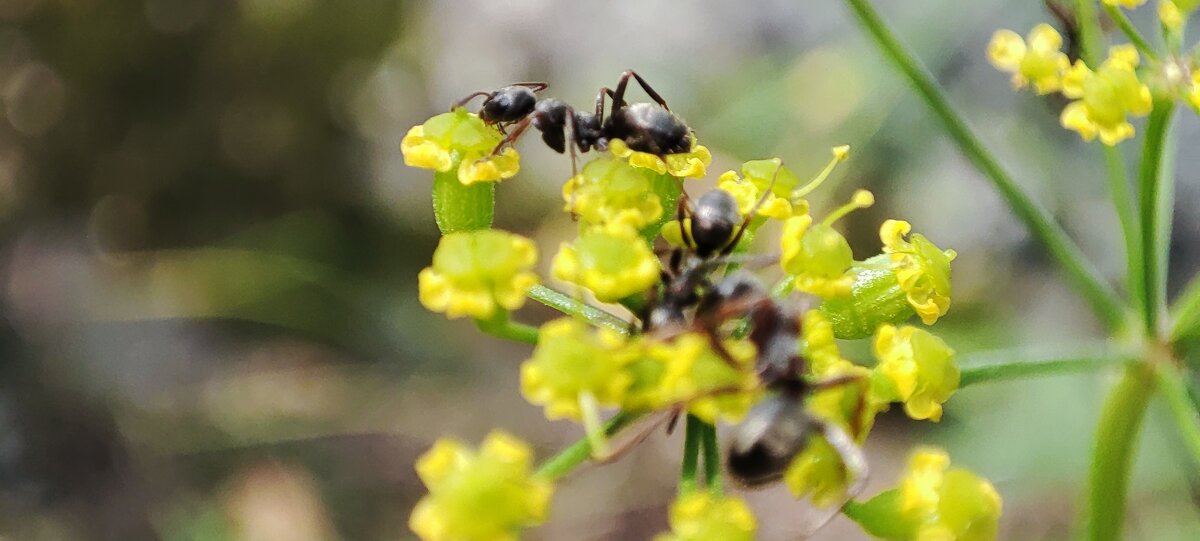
692	164
484	495
922	270
704	516
612	262
952	504
459	139
476	273
1103	98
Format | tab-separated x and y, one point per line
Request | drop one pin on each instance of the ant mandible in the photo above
643	127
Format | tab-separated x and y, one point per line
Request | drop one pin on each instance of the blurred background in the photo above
209	246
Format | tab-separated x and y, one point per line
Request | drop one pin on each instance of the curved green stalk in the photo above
1170	381
579	452
501	326
1150	182
1130	31
1112	456
574	307
1079	272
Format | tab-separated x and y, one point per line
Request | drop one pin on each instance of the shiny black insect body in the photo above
644	127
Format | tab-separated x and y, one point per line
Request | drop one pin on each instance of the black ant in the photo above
643	127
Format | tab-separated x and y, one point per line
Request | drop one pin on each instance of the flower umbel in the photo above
818	256
475	273
613	262
484	495
916	368
704	516
1105	97
1039	60
951	504
461	139
610	191
690	164
922	269
573	360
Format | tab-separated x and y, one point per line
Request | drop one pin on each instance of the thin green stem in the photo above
712	458
574	307
1079	272
1114	162
1150	179
579	452
692	439
501	326
1130	31
1009	365
1186	310
1112	456
1174	390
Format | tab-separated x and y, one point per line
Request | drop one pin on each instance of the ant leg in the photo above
534	86
645	86
600	102
512	136
682	209
626	446
750	214
473	95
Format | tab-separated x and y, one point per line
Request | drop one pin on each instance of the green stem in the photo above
691	454
568	459
1112	456
574	307
1130	31
1002	366
501	326
1186	310
1150	180
459	207
712	458
1114	161
1079	271
1170	380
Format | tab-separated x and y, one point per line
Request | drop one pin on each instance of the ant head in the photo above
768	439
509	104
714	219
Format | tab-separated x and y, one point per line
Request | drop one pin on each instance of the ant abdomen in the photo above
713	221
768	439
646	127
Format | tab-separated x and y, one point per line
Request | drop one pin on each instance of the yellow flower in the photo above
947	504
820	348
1039	61
704	516
1170	14
1127	4
461	139
922	269
610	191
484	495
818	256
613	263
476	272
698	376
573	360
1105	97
692	164
756	177
1193	95
916	368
